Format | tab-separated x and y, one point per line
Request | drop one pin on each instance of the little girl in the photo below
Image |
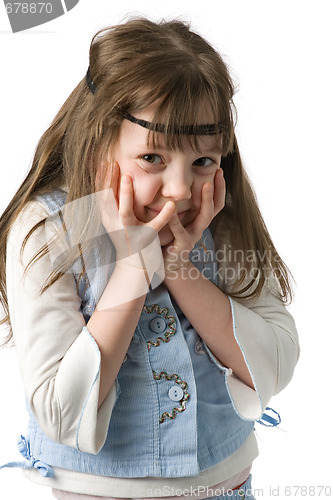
142	289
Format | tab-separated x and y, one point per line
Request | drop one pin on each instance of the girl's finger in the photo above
126	200
212	200
206	213
182	237
176	226
108	180
219	191
108	207
113	180
163	217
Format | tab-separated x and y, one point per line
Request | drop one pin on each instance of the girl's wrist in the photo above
134	261
174	271
148	258
175	260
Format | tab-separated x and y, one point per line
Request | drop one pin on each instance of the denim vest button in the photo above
176	393
158	325
199	348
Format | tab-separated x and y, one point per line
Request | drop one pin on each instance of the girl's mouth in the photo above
157	211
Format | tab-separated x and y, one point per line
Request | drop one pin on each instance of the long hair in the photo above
133	65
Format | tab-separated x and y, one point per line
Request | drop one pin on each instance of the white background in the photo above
280	53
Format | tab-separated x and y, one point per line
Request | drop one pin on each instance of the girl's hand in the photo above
212	202
129	235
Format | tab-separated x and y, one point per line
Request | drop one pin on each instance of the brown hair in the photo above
133	65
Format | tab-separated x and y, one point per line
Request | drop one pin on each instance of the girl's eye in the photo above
152	159
203	162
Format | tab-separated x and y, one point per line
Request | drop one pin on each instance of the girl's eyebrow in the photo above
160	147
212	150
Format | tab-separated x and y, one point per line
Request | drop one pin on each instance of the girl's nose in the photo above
177	186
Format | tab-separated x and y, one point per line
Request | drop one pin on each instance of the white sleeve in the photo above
266	334
59	360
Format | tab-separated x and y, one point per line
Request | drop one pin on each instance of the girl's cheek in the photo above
144	195
148	186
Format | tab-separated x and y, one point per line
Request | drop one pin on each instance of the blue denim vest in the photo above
173	416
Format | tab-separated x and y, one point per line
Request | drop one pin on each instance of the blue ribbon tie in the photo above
23	447
268	420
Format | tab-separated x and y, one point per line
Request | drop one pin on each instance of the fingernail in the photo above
125	179
169	204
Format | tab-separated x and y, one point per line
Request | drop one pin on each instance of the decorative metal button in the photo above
158	325
176	393
182	402
170	329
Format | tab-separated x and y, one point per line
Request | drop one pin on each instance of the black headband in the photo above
209	129
92	87
206	129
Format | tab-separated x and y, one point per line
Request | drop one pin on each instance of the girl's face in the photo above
161	175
